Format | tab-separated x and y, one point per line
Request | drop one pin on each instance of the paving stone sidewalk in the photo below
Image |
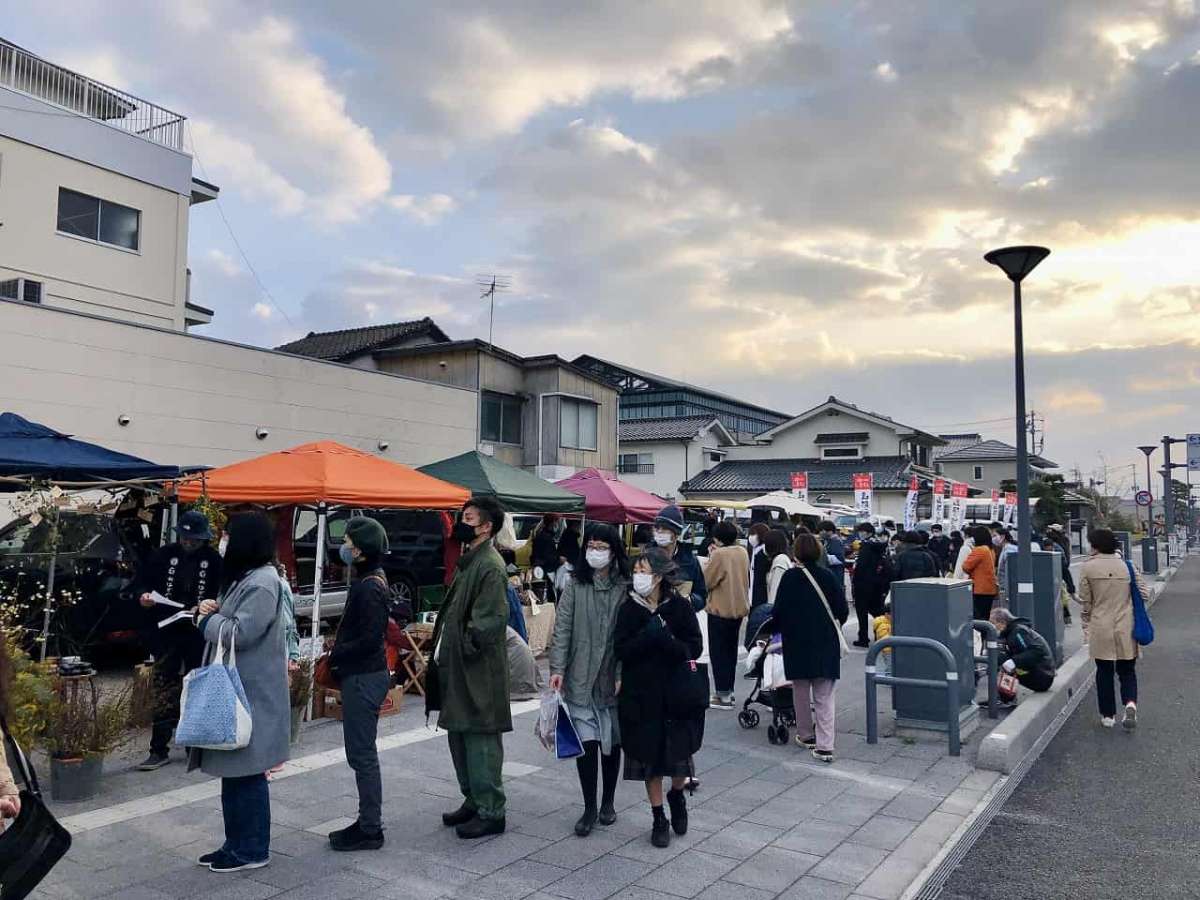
767	822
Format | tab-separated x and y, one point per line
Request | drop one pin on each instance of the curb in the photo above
1006	745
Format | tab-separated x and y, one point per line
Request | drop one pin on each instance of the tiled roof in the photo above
662	429
956	442
995	451
763	475
341	345
843	437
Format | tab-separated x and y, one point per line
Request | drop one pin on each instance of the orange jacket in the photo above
980	565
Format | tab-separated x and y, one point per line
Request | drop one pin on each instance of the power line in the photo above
978	422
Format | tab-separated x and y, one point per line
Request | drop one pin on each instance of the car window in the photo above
78	534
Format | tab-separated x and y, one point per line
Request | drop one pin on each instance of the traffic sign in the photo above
1143	498
1193	452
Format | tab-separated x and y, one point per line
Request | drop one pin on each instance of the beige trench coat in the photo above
1108	606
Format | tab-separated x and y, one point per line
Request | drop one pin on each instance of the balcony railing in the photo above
635	468
29	74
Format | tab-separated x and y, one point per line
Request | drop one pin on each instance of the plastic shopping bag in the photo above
567	744
547	721
214	713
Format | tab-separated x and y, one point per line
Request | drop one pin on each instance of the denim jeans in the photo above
246	807
362	695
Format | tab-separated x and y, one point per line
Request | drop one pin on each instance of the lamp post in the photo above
1016	263
1149	449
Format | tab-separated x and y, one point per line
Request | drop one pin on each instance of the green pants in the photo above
478	759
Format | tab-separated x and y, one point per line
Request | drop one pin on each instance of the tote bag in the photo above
567	744
1143	628
214	712
33	842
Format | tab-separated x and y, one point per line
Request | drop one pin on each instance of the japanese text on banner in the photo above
863	483
910	504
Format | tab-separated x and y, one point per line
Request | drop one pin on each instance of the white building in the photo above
985	465
95	192
659	455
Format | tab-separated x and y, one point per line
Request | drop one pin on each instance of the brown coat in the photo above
1108	606
8	787
728	578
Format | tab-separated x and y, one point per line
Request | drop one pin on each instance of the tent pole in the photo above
318	577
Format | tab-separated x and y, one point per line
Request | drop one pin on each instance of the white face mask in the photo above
663	538
598	559
753	539
643	583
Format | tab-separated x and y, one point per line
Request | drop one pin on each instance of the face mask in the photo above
223	544
346	552
598	559
643	583
664	538
753	540
463	533
997	540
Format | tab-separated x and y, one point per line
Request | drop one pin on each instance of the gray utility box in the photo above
938	608
1125	542
1149	556
1044	606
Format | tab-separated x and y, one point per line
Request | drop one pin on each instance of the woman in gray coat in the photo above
249	613
583	666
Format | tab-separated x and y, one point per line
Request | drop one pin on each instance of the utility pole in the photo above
1036	422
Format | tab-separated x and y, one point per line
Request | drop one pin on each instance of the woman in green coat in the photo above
583	667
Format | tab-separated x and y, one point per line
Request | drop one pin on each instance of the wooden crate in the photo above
327	704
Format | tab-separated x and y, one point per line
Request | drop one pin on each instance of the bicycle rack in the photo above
950	685
991	656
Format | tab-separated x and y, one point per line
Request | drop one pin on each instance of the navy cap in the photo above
671	517
194	526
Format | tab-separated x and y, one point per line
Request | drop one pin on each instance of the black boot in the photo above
679	818
660	832
460	816
608	813
479	828
354	838
586	822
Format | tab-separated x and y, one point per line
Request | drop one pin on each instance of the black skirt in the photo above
639	771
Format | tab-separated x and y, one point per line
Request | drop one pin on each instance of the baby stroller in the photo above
765	666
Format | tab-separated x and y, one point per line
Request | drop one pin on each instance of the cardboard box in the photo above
327	703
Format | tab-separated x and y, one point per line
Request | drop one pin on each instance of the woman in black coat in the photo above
656	635
812	650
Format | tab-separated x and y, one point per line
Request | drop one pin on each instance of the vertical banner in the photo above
938	513
1010	508
959	491
800	485
863	483
995	511
910	504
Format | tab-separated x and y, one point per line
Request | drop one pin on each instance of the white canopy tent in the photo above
789	504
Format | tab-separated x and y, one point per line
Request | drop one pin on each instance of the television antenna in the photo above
492	285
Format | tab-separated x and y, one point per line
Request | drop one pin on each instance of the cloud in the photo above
427	210
1074	401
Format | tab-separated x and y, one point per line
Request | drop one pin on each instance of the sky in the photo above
779	200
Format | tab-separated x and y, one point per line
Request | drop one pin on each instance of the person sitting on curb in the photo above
1023	652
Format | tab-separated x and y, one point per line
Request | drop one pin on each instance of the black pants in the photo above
362	695
983	605
723	652
588	767
866	604
1126	671
169	668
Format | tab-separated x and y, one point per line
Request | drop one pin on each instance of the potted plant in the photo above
80	731
300	682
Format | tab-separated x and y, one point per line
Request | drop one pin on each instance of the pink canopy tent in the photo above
608	499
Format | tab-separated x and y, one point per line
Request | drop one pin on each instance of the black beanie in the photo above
368	536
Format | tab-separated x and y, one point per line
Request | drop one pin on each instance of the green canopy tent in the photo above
517	490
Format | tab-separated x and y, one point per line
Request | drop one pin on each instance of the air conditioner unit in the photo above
21	289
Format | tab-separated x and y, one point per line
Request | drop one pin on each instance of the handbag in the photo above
34	841
214	713
843	647
1006	687
567	744
1143	628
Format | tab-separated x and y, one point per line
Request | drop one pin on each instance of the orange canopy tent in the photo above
324	472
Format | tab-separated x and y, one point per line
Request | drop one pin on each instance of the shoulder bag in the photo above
1143	628
843	647
214	713
687	696
34	841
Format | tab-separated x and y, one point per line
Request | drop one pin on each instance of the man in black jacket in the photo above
913	560
185	572
939	546
1024	652
872	579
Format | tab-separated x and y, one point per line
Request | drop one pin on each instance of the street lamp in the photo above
1149	449
1017	262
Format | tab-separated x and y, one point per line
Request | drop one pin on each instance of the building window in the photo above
978	474
841	452
21	289
578	424
636	464
716	457
81	215
500	418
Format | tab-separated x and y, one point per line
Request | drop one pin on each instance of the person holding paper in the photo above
174	581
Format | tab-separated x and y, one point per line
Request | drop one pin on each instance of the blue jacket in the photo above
516	615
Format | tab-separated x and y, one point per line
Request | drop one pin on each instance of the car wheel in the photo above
404	590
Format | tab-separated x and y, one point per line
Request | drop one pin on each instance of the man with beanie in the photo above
186	572
359	661
668	528
467	680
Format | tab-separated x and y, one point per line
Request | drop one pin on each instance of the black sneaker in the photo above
825	756
679	816
209	858
227	863
154	761
863	644
586	823
351	839
460	816
808	743
479	828
660	831
608	815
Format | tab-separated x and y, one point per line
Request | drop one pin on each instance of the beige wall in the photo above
147	287
800	440
193	400
993	473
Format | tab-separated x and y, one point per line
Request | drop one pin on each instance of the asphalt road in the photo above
1110	814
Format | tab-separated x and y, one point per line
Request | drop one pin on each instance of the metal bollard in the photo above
991	646
950	685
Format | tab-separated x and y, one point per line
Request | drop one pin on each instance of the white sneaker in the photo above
1130	721
1108	721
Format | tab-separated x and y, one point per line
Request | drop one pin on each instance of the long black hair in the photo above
251	546
618	568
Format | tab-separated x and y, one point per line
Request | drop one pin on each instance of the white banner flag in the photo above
1010	508
910	504
800	485
995	510
863	484
959	491
939	500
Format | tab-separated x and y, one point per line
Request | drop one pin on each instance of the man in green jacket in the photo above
471	667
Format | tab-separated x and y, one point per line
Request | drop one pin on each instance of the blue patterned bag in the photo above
214	713
1143	628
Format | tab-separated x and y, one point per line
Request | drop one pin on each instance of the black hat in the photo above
368	535
194	526
670	517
